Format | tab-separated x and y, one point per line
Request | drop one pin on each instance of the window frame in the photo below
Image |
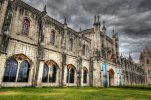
24	26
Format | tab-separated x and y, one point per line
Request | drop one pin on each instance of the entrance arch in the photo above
111	77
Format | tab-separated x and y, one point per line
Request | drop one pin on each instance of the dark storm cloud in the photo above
131	19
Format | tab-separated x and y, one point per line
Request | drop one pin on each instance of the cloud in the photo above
130	18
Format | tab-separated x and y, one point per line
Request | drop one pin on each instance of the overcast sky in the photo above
131	19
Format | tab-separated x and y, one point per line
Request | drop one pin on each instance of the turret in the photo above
96	37
41	22
64	44
44	12
115	44
113	34
104	27
130	58
96	20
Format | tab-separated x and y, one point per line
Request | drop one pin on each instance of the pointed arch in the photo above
53	71
10	70
50	71
45	73
20	58
69	66
14	69
23	72
111	77
71	73
25	26
85	74
52	37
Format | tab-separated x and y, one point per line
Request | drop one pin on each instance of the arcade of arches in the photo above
18	68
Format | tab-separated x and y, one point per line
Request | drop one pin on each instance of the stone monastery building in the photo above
36	50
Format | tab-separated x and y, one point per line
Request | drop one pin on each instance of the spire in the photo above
104	28
80	29
130	58
95	20
117	39
98	20
65	21
113	34
113	31
44	10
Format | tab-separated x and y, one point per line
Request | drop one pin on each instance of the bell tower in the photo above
96	36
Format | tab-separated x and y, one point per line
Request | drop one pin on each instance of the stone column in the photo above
64	76
68	79
88	79
75	78
108	82
2	67
58	78
64	68
82	77
40	72
30	74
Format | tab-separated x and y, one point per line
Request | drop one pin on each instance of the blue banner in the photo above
104	75
119	71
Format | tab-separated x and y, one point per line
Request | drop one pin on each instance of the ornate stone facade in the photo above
133	73
36	50
145	60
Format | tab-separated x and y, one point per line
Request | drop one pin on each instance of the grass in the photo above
74	93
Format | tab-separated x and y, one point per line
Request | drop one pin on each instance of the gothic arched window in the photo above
23	72
10	71
49	72
84	76
52	37
87	50
25	27
45	73
53	72
72	75
15	72
83	50
67	75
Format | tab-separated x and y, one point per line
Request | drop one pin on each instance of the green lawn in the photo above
74	93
